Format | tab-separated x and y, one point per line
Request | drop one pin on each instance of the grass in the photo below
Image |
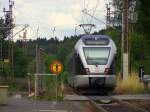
14	85
130	86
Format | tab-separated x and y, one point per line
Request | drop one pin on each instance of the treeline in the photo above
54	49
25	52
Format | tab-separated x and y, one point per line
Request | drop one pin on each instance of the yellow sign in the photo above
6	61
56	67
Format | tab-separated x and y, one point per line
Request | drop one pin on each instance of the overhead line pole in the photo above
125	50
37	67
9	19
1	56
108	16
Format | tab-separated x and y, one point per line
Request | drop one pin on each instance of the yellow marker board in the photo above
56	67
6	60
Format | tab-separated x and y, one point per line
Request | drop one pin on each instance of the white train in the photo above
93	62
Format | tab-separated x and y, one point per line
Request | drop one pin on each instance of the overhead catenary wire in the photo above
83	16
94	11
91	13
42	24
24	18
85	13
99	4
85	6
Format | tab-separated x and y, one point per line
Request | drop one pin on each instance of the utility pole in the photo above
37	67
1	55
9	23
125	51
37	71
108	22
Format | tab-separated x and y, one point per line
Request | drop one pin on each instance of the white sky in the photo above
64	15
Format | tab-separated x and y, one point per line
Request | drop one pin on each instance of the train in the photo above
92	62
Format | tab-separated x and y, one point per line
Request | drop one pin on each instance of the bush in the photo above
130	86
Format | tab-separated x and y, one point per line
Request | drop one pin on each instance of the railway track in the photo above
108	104
105	103
115	106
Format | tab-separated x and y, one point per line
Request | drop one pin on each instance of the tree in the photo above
21	62
144	17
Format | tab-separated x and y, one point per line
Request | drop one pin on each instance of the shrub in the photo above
130	86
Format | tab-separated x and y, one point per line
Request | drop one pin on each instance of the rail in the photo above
115	105
109	103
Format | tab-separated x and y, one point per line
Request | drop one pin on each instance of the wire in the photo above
25	18
100	3
45	25
83	4
94	11
85	7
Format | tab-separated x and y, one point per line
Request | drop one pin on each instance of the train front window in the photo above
96	55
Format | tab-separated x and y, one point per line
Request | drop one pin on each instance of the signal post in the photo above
56	68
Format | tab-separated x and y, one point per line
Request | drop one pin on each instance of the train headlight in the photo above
87	70
107	71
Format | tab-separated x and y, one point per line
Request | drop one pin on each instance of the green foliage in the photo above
139	36
32	66
65	48
7	70
20	62
141	8
2	31
6	27
17	84
139	52
48	61
116	37
143	22
137	45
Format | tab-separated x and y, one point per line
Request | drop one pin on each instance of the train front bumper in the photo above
83	80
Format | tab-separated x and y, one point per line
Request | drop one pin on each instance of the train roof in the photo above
95	36
95	40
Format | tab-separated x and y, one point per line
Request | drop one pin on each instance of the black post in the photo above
141	72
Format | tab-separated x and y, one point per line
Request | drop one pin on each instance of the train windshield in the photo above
96	55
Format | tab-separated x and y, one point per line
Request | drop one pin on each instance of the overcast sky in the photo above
64	15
